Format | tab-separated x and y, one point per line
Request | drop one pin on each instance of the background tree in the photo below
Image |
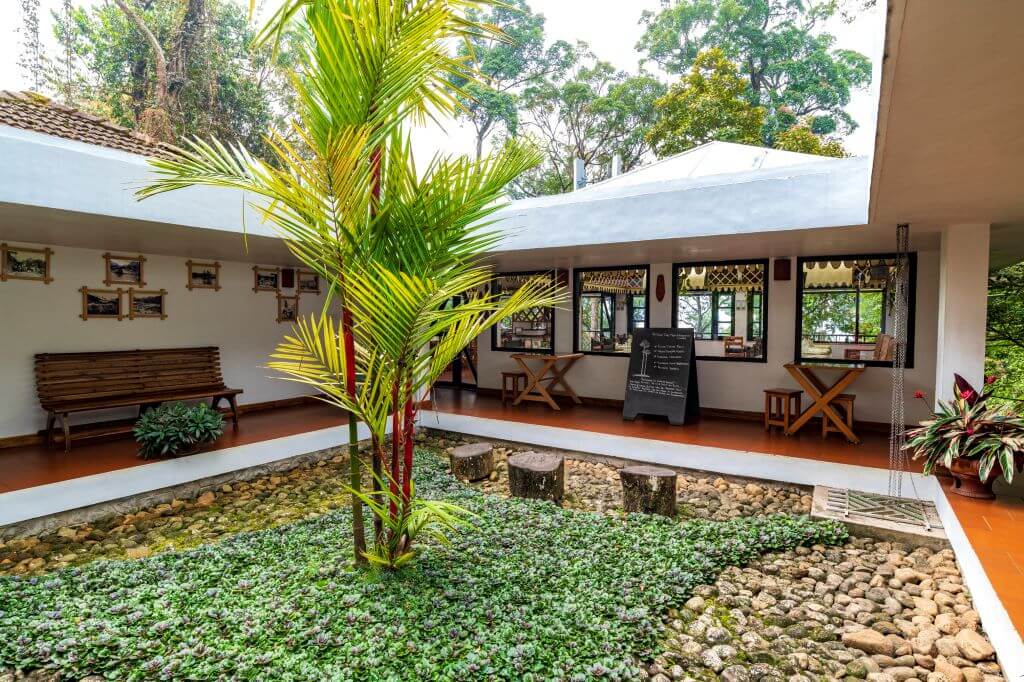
792	67
595	112
217	82
504	66
800	138
1005	331
710	103
32	60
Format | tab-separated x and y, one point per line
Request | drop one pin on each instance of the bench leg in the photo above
233	401
51	421
67	432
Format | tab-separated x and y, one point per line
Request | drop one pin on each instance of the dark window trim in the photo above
494	330
911	309
764	262
750	318
576	305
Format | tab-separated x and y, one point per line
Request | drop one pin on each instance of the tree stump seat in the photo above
472	461
649	489
537	475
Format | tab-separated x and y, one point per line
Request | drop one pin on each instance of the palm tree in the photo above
348	199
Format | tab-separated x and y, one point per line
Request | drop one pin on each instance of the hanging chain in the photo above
899	304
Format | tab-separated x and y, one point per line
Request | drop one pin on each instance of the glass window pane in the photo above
610	304
531	330
723	303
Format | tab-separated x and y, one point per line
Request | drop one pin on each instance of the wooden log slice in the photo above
649	489
472	462
537	475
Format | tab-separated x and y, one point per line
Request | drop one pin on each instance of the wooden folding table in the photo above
823	395
551	370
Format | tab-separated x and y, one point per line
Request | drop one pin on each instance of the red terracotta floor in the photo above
24	467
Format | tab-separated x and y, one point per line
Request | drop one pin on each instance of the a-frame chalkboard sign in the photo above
662	378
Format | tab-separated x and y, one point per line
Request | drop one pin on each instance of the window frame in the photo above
911	309
577	293
494	329
764	263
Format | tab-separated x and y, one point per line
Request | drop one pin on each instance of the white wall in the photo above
738	385
45	318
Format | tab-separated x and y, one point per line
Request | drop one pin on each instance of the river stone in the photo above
649	489
537	475
973	646
951	672
472	461
869	641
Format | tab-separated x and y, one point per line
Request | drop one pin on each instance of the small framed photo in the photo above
203	275
287	308
104	304
124	270
266	279
308	282
19	262
147	304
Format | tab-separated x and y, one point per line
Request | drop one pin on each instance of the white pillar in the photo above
963	305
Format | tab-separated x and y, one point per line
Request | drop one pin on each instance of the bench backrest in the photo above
97	376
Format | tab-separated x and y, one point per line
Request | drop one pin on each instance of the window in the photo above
724	303
609	305
530	330
845	308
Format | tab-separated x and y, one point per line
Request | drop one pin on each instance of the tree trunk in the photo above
354	464
410	419
472	462
190	34
649	489
537	475
156	121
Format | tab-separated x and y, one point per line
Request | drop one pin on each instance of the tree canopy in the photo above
791	66
1005	330
800	138
708	104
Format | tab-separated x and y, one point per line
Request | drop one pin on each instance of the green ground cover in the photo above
534	592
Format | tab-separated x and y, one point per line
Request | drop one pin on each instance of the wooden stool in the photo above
843	403
512	393
537	475
781	406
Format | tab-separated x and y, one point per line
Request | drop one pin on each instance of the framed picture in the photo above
309	282
147	304
203	275
287	308
266	279
18	262
124	270
104	304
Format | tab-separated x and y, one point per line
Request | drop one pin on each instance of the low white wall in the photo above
738	385
44	318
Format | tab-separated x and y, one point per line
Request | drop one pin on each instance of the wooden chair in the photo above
734	347
509	393
781	406
843	403
884	347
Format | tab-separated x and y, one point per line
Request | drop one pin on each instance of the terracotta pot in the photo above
968	483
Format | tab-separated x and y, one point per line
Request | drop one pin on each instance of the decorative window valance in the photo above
864	274
615	281
727	277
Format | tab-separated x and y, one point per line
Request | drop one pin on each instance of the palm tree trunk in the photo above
396	444
354	464
410	416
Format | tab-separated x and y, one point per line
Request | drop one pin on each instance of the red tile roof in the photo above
31	111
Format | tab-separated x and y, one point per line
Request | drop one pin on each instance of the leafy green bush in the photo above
174	428
532	592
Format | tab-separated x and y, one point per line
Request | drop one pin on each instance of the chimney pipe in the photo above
616	165
579	174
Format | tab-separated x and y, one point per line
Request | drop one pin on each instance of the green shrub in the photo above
171	429
532	592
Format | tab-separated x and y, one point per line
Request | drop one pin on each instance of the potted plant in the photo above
176	429
970	437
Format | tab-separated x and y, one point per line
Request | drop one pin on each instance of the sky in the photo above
611	27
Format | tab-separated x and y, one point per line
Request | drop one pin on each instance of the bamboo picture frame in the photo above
266	279
147	304
119	269
102	304
287	308
199	276
22	262
307	282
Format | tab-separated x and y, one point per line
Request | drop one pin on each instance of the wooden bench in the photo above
80	382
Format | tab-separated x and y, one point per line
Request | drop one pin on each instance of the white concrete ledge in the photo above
996	620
